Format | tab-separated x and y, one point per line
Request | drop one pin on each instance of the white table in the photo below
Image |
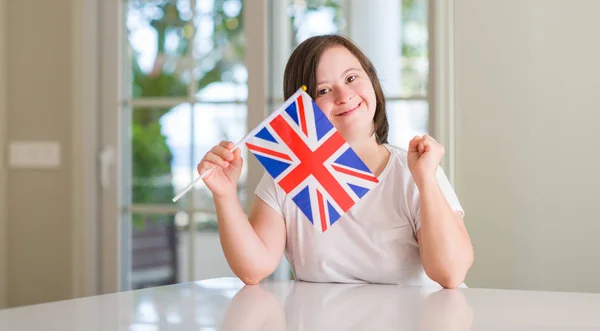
225	304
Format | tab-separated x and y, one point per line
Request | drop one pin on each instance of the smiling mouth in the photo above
349	111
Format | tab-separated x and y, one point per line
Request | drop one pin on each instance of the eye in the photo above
351	78
322	91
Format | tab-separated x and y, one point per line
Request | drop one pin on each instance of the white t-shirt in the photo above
374	242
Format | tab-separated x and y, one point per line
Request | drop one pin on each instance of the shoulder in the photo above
399	163
397	173
268	191
398	156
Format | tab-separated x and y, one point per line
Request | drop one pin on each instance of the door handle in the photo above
107	162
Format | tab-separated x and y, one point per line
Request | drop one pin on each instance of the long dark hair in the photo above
301	69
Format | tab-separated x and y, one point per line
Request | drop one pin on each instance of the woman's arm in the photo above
444	244
252	246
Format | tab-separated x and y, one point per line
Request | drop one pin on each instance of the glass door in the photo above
186	89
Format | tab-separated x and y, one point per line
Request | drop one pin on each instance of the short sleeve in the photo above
447	190
269	192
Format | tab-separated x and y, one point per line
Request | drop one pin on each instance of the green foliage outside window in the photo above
151	156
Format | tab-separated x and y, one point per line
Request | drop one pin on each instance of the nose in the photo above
343	94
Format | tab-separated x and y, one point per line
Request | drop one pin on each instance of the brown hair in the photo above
301	69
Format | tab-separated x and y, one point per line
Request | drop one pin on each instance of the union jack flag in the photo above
304	153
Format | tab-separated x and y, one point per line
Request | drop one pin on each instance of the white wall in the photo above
527	117
39	106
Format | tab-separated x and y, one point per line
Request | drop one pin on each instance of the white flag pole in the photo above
241	142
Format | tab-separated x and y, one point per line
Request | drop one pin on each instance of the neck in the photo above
375	156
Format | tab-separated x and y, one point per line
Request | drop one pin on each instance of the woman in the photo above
407	230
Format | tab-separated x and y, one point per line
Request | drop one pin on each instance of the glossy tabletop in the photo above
226	304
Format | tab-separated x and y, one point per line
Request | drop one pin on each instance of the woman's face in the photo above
345	93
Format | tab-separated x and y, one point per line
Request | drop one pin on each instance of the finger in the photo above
414	143
431	144
426	138
237	158
422	146
204	166
222	152
216	159
226	144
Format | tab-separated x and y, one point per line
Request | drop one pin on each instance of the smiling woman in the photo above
407	189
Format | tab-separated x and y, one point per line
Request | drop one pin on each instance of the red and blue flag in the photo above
308	158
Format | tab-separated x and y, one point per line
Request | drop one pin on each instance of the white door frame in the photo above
85	71
114	235
3	142
441	80
256	18
111	146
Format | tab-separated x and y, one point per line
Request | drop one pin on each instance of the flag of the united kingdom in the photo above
309	159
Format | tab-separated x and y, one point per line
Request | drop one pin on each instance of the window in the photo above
187	92
394	35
